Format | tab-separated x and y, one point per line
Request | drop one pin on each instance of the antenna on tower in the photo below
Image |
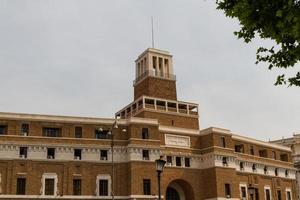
152	31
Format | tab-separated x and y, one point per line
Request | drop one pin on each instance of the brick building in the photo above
64	157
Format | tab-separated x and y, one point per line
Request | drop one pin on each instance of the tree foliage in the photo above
278	20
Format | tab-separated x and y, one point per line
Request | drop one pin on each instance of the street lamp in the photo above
112	134
160	164
251	191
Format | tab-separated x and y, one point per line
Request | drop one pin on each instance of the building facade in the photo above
63	157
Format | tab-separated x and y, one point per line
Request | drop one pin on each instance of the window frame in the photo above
145	133
49	176
243	185
80	187
267	187
147	191
21	191
103	177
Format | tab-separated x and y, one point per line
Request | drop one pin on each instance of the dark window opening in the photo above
169	160
77	187
178	161
3	130
239	148
222	141
242	166
49	186
225	161
77	154
101	134
145	133
187	162
256	194
263	153
251	150
286	173
25	129
288	195
23	152
254	167
276	171
50	153
78	132
103	187
284	157
51	132
265	170
274	155
103	154
146	155
147	186
21	186
227	190
243	192
268	195
278	195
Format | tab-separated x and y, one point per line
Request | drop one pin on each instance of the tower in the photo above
155	95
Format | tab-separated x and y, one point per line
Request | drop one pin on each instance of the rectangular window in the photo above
145	154
169	160
256	194
225	161
103	154
145	133
77	187
103	187
147	186
227	190
278	195
23	152
222	141
187	162
242	166
243	193
274	155
50	153
51	132
101	134
78	132
268	194
77	154
251	150
21	186
239	148
288	195
263	153
284	157
24	129
49	186
178	161
3	129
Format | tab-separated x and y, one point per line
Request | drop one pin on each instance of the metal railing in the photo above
155	74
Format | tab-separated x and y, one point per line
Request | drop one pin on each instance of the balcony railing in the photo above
154	73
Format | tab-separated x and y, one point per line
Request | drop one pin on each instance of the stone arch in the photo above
183	189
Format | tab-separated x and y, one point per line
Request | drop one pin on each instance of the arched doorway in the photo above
179	190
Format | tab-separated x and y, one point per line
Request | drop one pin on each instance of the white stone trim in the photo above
288	190
103	177
215	130
240	188
267	187
49	176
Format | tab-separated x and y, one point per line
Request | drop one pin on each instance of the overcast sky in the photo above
68	57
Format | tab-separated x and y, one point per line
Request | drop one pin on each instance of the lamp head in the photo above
160	164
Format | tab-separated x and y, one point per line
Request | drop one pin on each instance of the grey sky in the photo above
77	58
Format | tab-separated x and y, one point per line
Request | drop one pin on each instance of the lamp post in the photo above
112	144
160	164
251	192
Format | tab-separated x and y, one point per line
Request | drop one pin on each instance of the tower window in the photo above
24	129
23	152
145	133
3	129
251	150
101	134
154	65
78	132
278	195
21	186
222	141
103	187
227	190
103	154
239	148
187	162
77	187
77	154
146	154
225	161
169	160
147	186
265	170
49	186
274	155
276	171
254	167
50	153
178	161
242	166
51	132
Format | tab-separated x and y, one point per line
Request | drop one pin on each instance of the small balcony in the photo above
158	105
154	73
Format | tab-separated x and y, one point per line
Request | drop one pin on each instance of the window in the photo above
267	194
263	153
145	154
242	166
51	132
243	192
256	193
76	186
145	133
286	173
276	171
225	161
103	154
278	195
77	154
169	160
284	157
49	186
265	170
50	153
101	134
178	161
274	155
222	141
23	152
288	195
103	187
3	129
239	148
254	168
21	186
227	190
78	132
24	129
251	150
187	162
147	186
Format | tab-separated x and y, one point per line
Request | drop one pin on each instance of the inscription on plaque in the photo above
176	140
